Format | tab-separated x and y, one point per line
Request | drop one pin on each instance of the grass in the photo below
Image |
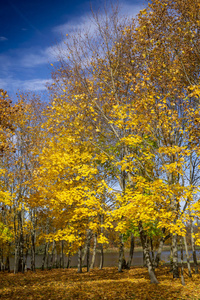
97	284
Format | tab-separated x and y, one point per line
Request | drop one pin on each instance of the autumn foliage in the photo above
97	285
116	150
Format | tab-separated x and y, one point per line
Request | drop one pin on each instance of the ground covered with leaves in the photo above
97	284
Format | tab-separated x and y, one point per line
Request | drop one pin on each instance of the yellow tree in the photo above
70	184
19	166
7	112
130	93
167	43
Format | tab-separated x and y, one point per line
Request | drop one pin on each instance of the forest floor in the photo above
98	284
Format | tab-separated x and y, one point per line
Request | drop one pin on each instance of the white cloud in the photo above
74	25
86	21
130	10
39	57
29	58
3	38
87	27
35	57
82	24
36	84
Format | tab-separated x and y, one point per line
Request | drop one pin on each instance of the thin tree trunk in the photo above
1	259
187	257
88	251
144	260
160	248
8	263
94	251
21	242
21	254
175	269
16	260
144	242
8	259
171	259
101	258
80	260
88	239
121	253
26	257
33	242
131	251
2	266
102	254
52	254
33	252
44	256
62	256
193	249
152	252
16	264
46	252
47	256
56	257
84	252
122	261
182	267
68	260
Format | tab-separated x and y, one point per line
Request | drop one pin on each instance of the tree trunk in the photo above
121	253
131	251
80	260
68	260
33	252
101	258
193	249
52	254
56	257
144	242
1	259
102	254
160	248
26	257
44	256
33	241
16	264
94	251
88	239
21	254
47	256
8	263
7	266
171	259
16	260
88	251
62	256
144	260
175	268
187	257
21	242
152	252
182	267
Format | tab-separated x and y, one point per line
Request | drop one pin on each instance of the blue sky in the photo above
29	32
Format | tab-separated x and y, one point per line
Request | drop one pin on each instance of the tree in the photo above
132	98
